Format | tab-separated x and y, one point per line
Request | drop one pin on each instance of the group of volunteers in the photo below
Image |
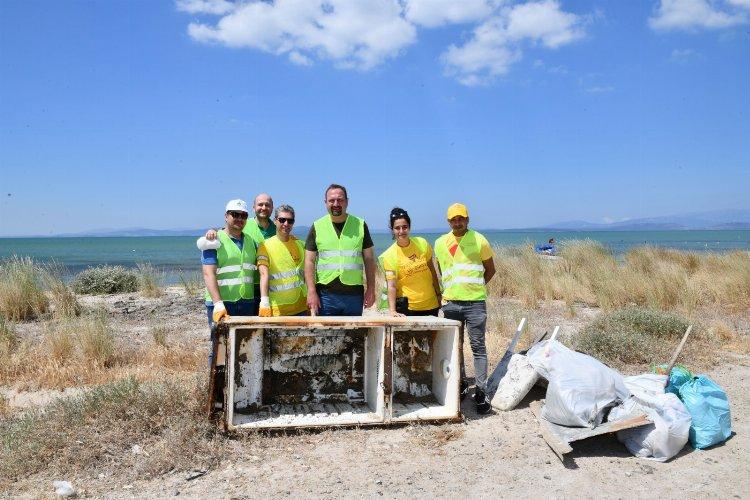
255	266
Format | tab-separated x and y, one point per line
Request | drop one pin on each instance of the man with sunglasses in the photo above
339	259
280	262
259	228
228	267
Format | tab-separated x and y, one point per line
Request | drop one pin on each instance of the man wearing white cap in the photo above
466	266
228	266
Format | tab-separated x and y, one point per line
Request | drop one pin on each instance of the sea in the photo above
178	256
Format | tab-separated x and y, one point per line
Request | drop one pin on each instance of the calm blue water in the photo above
178	253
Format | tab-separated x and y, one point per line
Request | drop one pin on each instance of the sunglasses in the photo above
284	220
238	215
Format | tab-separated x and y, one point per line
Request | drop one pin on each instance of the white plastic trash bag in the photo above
671	420
515	384
580	387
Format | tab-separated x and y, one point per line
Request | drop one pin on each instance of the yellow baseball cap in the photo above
457	209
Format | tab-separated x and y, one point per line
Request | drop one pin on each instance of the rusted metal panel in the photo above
412	367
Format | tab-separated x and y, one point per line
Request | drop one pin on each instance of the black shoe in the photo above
464	389
483	404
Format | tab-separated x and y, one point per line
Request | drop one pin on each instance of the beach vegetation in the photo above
150	280
98	428
191	283
641	336
64	301
655	278
102	280
21	294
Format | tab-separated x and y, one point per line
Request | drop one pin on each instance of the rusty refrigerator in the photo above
288	372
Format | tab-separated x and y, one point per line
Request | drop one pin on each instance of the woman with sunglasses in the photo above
281	264
412	286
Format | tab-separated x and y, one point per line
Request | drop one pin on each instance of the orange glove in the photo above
264	311
220	312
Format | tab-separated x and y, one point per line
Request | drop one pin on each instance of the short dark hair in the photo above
398	213
336	186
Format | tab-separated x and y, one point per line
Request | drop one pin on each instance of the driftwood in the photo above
677	353
559	437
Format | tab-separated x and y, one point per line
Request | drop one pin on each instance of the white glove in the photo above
264	309
204	244
219	311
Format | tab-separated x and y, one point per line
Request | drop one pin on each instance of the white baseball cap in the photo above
236	206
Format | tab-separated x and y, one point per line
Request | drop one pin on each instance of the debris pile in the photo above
653	414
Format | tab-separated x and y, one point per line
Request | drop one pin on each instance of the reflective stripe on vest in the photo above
463	273
340	256
234	268
285	277
252	230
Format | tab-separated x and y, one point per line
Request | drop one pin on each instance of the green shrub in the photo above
21	294
632	336
105	279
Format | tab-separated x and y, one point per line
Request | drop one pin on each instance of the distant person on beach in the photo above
281	260
259	228
339	258
228	267
412	286
466	266
548	248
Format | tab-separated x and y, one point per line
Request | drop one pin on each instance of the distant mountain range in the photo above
712	220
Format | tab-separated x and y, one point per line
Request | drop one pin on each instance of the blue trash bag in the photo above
709	407
678	376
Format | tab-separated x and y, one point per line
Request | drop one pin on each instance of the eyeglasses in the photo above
284	220
238	215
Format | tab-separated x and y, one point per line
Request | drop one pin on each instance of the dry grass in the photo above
83	351
650	277
160	333
191	283
150	280
96	431
21	293
64	301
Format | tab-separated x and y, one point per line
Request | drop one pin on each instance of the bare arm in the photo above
313	302
368	255
263	270
489	269
435	280
212	285
392	298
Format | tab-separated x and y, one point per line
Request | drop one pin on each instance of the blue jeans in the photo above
340	304
473	315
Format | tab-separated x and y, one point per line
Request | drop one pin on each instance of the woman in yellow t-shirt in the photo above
409	271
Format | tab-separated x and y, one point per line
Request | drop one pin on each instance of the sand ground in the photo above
497	455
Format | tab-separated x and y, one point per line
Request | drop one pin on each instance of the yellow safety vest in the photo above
462	273
286	283
340	256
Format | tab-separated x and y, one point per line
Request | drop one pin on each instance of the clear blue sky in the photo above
153	114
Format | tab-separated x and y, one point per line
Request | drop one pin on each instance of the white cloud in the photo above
433	13
599	89
353	33
682	56
205	6
694	14
362	34
497	43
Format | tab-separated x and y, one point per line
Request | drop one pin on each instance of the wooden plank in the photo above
558	445
677	353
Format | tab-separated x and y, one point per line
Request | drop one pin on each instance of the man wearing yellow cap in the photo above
466	266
